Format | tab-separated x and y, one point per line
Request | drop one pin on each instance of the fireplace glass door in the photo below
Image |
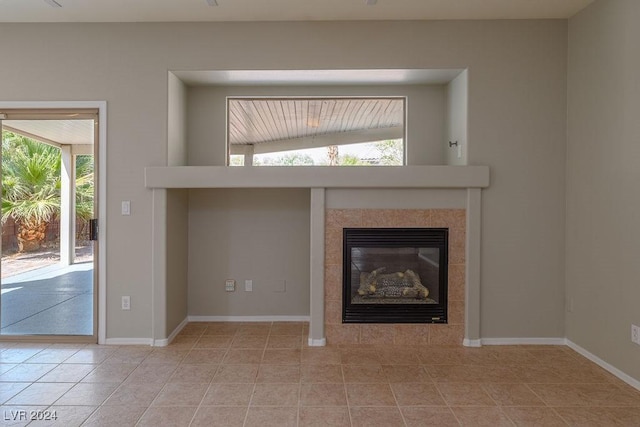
395	275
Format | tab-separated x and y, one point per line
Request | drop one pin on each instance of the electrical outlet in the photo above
126	303
230	285
635	334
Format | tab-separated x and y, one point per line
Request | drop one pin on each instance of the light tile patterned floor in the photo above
230	374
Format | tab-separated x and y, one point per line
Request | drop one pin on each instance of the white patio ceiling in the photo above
54	132
271	125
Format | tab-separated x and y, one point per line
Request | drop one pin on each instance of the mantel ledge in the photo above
317	177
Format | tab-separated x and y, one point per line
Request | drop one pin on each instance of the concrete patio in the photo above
53	300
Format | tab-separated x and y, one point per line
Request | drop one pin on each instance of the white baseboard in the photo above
471	343
248	318
523	341
129	341
317	342
595	359
165	342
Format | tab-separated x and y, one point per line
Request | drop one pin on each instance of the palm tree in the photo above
31	187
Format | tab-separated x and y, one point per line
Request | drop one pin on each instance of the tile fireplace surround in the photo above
407	334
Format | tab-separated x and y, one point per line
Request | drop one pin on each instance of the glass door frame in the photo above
76	110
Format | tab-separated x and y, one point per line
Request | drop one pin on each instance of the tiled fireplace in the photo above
408	334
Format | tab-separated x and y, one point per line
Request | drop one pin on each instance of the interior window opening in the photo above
355	131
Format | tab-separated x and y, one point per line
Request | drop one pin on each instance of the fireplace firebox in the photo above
395	275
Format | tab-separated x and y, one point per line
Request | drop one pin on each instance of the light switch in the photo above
126	207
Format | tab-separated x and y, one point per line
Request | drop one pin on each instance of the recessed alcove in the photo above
436	106
436	109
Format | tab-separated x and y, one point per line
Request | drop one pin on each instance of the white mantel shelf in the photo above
317	177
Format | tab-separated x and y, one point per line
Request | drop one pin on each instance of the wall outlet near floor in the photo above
248	285
635	334
126	302
230	285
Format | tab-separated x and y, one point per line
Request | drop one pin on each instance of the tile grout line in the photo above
443	399
483	387
193	417
255	380
346	393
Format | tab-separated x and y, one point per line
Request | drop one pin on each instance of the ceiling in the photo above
318	77
281	10
55	132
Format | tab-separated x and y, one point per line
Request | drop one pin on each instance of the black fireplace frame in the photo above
398	238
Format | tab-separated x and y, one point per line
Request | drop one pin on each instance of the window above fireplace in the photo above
316	131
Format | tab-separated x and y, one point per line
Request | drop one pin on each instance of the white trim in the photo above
317	342
128	341
317	209
248	318
595	359
471	343
473	254
172	335
102	221
158	265
102	194
523	341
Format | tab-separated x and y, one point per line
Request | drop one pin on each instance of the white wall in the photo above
517	126
456	124
603	173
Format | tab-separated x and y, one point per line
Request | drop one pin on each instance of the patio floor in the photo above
53	300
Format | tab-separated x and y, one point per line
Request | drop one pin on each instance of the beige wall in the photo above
425	117
517	116
176	122
258	234
603	173
456	120
177	209
177	249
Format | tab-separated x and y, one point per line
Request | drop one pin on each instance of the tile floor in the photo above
223	374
